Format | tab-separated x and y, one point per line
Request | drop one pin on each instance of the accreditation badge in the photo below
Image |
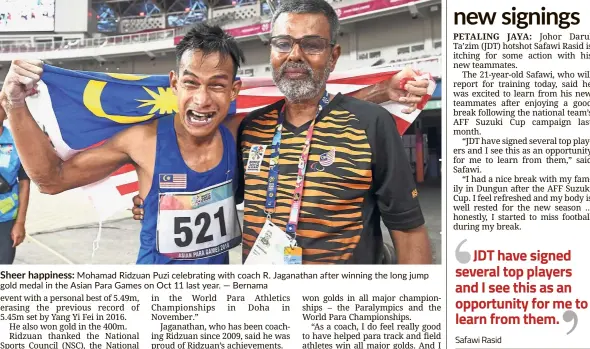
198	224
269	247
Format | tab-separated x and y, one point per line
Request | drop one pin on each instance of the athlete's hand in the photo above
20	82
411	93
137	208
18	233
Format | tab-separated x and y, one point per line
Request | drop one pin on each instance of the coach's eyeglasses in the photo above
310	45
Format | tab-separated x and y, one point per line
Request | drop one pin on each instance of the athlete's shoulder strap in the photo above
164	124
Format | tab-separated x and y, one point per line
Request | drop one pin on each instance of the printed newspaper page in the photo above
369	248
517	173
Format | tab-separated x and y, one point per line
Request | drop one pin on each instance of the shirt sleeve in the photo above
393	182
22	175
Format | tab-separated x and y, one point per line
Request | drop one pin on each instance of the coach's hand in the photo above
20	82
411	93
137	208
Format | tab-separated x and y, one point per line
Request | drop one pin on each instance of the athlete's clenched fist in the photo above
20	81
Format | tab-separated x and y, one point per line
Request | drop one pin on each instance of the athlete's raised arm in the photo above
38	157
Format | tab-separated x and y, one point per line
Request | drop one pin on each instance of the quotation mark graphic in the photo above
462	256
569	316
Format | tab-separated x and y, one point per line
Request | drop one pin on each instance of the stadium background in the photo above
138	36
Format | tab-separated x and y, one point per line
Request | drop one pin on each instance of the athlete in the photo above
187	153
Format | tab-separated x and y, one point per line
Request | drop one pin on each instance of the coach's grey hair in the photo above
311	6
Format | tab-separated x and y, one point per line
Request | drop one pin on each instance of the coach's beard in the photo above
300	90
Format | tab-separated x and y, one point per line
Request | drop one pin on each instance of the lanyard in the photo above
273	171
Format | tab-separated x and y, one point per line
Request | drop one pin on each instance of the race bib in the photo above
199	224
269	247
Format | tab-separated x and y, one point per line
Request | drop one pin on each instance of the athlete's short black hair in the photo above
311	6
210	39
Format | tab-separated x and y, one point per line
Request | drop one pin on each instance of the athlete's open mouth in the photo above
195	118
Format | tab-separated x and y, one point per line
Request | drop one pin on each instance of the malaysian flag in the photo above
79	110
172	181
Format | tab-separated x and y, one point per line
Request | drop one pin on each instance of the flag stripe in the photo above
128	188
124	169
369	79
255	101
